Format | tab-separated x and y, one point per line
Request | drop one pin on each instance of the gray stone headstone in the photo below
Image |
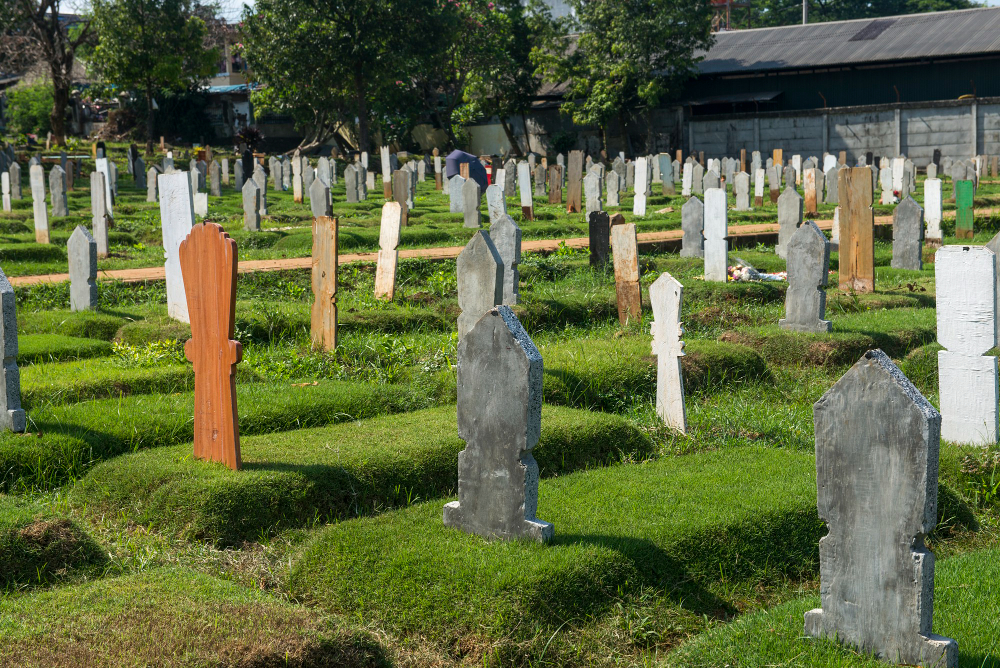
323	171
789	176
499	418
831	178
496	203
510	183
790	205
506	237
741	186
480	280
455	202
613	188
698	179
251	206
11	417
215	179
15	181
319	198
629	175
693	224
194	177
225	171
140	173
908	235
201	204
932	171
260	180
599	227
808	269
57	191
151	191
538	174
36	176
471	202
99	213
877	442
238	175
351	180
82	253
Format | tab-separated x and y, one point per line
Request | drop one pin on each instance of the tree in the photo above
766	13
501	80
151	46
630	53
36	29
327	62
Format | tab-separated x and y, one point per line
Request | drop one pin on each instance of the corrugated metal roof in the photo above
930	35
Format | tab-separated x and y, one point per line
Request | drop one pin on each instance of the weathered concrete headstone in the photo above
177	220
208	262
201	204
15	180
499	380
471	203
455	185
140	174
388	253
741	185
238	175
324	280
251	206
857	229
693	225
808	271
965	279
599	227
877	442
555	184
574	182
789	219
12	417
994	245
626	258
81	250
57	191
215	179
908	235
932	210
592	192
351	179
710	180
687	177
665	298
698	179
964	213
506	237
639	199
5	190
36	174
496	203
99	213
225	171
319	199
480	273
612	182
716	230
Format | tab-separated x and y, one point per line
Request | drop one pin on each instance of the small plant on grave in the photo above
442	284
152	354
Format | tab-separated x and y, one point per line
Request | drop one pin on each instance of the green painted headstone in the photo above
964	215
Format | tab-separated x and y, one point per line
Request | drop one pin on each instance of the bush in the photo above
29	109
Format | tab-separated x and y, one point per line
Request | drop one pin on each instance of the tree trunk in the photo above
507	130
362	105
650	139
150	124
60	100
527	137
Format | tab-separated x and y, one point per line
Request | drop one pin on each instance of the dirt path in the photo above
249	266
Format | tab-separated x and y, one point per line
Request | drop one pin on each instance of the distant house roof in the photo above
909	37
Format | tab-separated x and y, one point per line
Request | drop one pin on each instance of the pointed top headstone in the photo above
480	280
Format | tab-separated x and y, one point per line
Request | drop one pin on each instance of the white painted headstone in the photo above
665	298
177	219
932	209
641	179
716	230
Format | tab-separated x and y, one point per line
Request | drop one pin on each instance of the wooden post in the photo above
324	283
743	160
208	263
857	227
776	157
555	184
964	214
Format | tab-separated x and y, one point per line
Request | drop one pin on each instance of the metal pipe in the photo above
805	12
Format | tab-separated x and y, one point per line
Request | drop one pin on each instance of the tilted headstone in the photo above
480	273
808	271
319	199
877	442
599	227
908	235
626	257
177	219
36	174
11	416
99	213
471	204
965	279
665	298
251	206
641	177
693	225
716	230
789	218
208	262
388	253
857	230
324	280
455	185
81	250
499	378
506	237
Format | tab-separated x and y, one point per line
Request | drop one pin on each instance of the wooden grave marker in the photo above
857	227
324	282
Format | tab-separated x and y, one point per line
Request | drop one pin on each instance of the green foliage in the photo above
35	348
29	109
789	12
83	380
